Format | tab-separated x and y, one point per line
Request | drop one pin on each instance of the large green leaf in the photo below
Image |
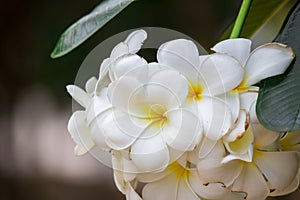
278	104
261	12
88	25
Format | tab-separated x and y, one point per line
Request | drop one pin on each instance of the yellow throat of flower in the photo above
195	92
156	114
242	87
178	169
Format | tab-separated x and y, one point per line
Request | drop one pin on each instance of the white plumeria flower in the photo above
260	172
180	182
208	76
148	117
125	174
77	125
238	140
83	123
98	109
265	61
122	57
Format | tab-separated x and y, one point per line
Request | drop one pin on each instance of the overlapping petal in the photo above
232	99
182	55
80	133
220	73
266	61
279	168
183	129
90	86
239	48
128	65
251	181
175	185
207	191
150	154
216	117
79	95
119	131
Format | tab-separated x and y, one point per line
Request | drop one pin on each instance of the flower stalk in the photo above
241	18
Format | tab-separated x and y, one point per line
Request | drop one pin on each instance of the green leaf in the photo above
261	12
278	104
88	25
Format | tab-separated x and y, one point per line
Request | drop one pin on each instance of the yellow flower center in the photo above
242	87
156	113
195	92
178	169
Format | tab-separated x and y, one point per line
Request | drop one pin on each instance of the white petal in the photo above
291	188
104	68
193	156
119	181
247	99
247	157
135	40
152	177
117	165
102	83
210	191
252	182
234	196
208	148
168	88
181	55
240	138
262	136
122	163
185	191
79	150
99	105
163	189
120	132
90	85
150	154
128	65
279	168
183	129
129	169
122	92
239	128
155	67
131	194
79	95
241	145
80	132
97	134
239	48
213	171
266	61
211	149
216	117
232	99
118	51
220	73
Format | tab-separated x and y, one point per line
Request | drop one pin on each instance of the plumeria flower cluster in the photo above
185	127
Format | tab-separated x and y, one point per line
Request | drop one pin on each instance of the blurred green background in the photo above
36	152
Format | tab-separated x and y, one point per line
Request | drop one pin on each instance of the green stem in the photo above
240	20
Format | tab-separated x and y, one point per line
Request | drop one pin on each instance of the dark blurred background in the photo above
36	151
